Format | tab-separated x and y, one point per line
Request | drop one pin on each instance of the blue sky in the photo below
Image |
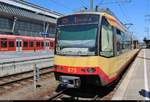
128	11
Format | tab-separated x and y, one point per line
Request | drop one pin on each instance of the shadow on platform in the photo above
144	58
144	93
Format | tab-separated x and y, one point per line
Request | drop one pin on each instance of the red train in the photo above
25	43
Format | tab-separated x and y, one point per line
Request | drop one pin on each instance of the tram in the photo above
91	48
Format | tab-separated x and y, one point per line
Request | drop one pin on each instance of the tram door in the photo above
18	45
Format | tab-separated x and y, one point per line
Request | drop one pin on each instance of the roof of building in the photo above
25	9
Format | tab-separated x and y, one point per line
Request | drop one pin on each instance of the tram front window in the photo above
77	40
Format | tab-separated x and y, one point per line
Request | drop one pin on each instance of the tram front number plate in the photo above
72	70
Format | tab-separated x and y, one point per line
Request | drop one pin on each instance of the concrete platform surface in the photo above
18	62
136	84
8	55
15	56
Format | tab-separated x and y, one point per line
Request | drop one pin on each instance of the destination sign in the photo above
78	19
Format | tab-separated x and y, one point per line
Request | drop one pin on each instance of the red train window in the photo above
31	44
42	44
11	44
25	44
38	44
51	44
4	43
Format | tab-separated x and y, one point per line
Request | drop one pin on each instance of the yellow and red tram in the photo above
92	48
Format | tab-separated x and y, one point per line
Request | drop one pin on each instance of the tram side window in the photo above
119	43
25	44
11	43
3	43
124	41
106	39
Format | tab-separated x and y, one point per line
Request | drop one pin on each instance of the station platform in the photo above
24	54
136	84
7	57
18	62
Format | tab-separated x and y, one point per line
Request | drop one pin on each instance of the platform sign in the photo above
45	34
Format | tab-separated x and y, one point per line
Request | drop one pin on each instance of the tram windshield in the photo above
77	40
77	35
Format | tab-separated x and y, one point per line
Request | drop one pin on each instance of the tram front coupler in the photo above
70	81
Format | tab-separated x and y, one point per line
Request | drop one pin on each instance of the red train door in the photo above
18	44
47	45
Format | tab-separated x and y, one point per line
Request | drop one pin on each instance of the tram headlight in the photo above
83	70
91	70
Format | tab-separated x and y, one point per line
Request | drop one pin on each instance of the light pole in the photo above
91	5
14	23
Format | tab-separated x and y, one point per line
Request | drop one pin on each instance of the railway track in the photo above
83	93
58	95
22	76
61	95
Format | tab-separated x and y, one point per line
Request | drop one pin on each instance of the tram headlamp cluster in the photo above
91	70
83	70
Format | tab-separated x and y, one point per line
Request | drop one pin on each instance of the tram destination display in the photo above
79	19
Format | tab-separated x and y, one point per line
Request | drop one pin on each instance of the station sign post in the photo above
36	75
45	34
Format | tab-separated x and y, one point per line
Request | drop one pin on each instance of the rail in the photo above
22	76
34	59
58	95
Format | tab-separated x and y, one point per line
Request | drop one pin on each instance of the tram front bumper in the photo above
70	81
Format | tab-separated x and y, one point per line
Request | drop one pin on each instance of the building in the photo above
147	42
23	18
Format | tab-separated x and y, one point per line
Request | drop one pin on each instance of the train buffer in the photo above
136	84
